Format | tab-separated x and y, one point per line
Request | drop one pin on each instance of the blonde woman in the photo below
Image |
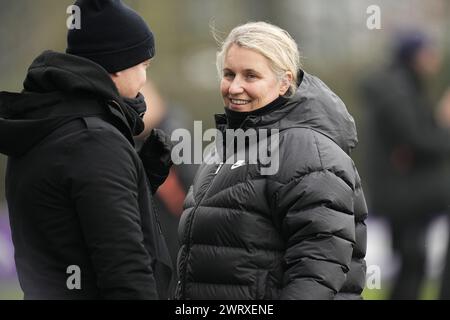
299	232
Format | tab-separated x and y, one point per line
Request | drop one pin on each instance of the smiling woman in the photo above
297	232
255	71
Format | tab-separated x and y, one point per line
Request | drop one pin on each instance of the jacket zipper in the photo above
182	282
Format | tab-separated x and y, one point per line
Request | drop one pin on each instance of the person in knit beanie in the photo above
80	196
114	36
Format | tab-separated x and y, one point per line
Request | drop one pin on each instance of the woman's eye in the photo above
228	75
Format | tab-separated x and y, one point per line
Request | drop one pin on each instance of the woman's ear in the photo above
286	82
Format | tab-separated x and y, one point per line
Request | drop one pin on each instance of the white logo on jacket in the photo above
237	164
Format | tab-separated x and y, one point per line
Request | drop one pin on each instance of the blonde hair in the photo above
270	41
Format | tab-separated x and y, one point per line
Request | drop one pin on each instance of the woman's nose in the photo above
236	86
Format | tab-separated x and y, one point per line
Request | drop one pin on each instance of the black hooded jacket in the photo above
297	234
77	190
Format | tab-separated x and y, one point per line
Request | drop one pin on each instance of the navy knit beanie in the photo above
112	35
408	43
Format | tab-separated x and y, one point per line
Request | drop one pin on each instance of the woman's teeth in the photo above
239	101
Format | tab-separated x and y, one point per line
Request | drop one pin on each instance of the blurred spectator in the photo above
170	195
409	182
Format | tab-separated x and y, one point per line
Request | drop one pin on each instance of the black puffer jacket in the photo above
76	188
297	234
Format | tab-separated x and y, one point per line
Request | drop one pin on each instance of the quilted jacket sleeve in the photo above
315	209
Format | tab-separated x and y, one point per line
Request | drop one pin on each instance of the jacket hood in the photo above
55	85
313	106
54	71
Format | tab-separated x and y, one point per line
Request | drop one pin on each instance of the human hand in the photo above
156	157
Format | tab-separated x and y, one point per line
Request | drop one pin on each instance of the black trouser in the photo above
409	243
